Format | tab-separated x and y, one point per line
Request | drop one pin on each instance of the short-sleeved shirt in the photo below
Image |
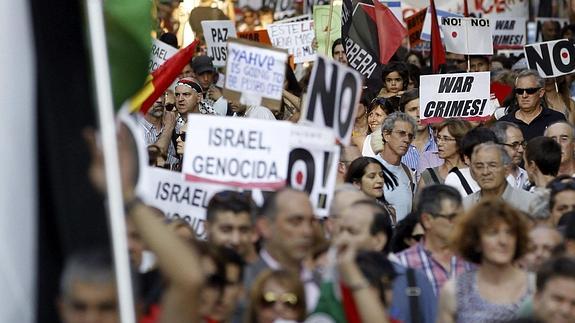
413	156
538	125
400	196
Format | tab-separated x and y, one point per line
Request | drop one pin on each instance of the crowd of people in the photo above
455	221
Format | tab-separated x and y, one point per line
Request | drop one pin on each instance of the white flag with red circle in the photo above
467	36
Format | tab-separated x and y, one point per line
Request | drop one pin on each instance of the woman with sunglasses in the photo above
377	111
494	236
276	295
180	145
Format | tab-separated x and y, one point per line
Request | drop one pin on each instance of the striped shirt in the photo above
412	157
151	136
418	258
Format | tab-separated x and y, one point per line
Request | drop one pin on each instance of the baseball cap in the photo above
202	64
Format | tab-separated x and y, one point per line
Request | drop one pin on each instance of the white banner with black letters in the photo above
552	58
216	33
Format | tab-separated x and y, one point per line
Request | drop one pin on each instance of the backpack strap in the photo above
408	172
433	175
462	179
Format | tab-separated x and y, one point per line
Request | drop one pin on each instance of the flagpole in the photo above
104	104
327	39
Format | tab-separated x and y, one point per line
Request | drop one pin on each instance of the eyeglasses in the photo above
182	136
448	217
444	139
269	299
516	144
480	167
530	90
403	134
169	106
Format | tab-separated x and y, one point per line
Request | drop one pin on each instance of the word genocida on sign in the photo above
455	108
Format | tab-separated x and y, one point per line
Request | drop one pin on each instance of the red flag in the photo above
390	32
160	79
437	50
465	9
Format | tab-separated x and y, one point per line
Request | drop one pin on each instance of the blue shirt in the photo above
411	158
400	303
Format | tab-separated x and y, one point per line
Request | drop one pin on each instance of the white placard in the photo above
467	36
459	95
509	33
552	58
426	31
216	33
240	152
296	37
161	52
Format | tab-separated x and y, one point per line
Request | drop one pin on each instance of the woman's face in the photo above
446	144
277	303
498	244
393	82
372	181
375	118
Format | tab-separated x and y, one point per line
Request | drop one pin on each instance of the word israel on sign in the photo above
552	58
332	95
296	37
247	153
467	36
508	33
460	95
254	73
160	53
216	33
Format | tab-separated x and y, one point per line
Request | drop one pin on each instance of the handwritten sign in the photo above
296	37
216	33
160	53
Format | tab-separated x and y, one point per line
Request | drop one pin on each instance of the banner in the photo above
415	27
296	38
543	24
426	31
312	165
254	73
460	95
246	153
552	58
258	36
333	93
508	33
216	33
477	8
321	22
467	36
160	53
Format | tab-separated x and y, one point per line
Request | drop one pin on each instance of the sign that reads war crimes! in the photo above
508	33
312	166
247	153
332	95
216	33
552	58
296	37
254	73
461	95
161	52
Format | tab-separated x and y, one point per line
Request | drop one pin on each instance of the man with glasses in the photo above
437	207
542	159
489	165
531	116
564	133
398	131
510	136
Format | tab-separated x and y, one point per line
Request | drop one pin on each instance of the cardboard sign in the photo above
296	37
321	23
216	33
508	33
467	36
258	36
415	27
552	58
426	32
247	153
312	165
160	53
333	93
254	73
540	21
460	95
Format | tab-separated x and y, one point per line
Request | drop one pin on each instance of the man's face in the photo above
563	135
564	202
556	302
206	79
412	110
233	230
399	139
157	109
542	241
221	302
339	54
90	303
187	72
354	227
525	100
440	225
487	169
477	64
186	99
514	145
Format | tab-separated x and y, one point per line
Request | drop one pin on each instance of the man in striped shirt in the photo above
437	207
158	127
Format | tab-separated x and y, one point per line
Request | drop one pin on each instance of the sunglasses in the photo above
181	136
170	106
269	299
530	90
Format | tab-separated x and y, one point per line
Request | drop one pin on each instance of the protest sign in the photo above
426	31
460	95
258	36
544	24
294	19
415	27
332	95
247	153
552	58
280	8
508	33
254	73
467	36
216	33
296	37
312	165
160	53
321	22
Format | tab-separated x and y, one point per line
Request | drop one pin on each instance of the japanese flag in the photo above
468	36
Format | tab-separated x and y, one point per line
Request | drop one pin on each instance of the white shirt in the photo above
401	196
259	112
453	180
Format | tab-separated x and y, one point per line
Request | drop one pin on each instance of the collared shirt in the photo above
400	196
537	125
151	136
412	157
419	258
519	180
517	198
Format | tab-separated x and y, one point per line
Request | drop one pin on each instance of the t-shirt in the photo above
401	196
537	125
259	112
453	180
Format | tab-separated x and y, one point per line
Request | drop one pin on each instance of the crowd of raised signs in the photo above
437	212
